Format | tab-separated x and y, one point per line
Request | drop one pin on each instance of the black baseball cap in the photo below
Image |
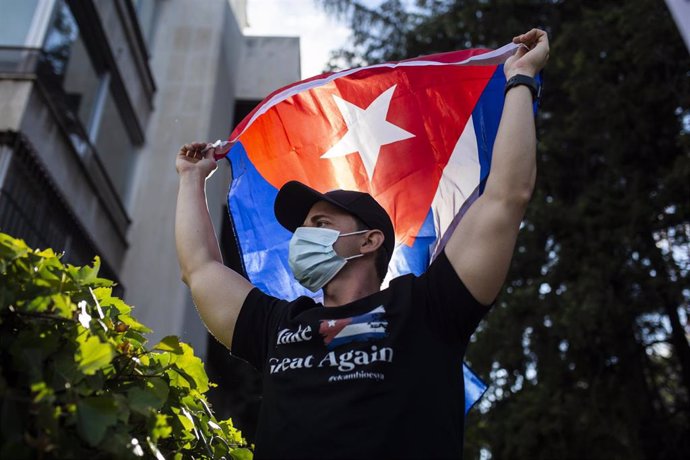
295	199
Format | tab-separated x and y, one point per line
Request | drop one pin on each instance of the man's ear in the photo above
372	241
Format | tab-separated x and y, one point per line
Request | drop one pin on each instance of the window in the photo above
15	21
67	65
114	148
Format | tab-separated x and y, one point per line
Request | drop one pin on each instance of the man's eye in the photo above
321	223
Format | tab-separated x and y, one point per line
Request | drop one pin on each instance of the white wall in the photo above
268	63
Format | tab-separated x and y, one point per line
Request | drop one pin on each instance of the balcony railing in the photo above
18	61
31	209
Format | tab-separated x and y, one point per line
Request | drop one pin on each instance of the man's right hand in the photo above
197	156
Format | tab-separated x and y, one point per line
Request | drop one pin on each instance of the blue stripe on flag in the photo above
355	338
416	258
486	116
262	240
368	318
474	387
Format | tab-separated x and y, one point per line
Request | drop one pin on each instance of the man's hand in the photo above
530	58
197	156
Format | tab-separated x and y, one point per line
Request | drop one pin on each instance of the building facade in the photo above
96	97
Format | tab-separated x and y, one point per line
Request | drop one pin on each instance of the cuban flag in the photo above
416	134
361	328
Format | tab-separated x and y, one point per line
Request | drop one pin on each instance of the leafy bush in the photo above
76	380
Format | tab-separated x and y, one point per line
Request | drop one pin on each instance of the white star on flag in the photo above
367	130
331	323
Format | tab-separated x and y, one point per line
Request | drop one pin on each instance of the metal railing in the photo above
31	209
15	60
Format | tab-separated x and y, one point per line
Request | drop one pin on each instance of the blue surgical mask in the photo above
312	258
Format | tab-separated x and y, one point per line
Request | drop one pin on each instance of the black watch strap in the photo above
530	82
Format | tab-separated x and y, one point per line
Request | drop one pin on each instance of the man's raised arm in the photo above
482	245
218	292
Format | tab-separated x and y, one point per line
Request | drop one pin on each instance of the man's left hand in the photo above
531	57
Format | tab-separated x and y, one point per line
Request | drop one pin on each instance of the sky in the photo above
318	32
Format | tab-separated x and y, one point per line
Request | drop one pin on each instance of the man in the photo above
376	373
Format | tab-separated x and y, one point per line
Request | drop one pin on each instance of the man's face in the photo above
325	215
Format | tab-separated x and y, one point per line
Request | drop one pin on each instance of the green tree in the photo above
586	350
76	380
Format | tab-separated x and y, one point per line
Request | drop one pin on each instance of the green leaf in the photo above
241	453
66	370
170	343
38	304
40	391
133	324
30	351
47	254
62	305
160	360
123	407
162	428
158	387
184	417
94	355
178	378
232	434
193	367
94	416
105	297
87	275
135	337
144	400
12	248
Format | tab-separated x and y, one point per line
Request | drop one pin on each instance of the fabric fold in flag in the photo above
416	134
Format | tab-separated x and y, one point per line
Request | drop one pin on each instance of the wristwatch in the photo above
531	83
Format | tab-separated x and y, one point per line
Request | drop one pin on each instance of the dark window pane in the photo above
115	149
68	64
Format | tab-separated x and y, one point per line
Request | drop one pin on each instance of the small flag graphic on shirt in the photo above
362	328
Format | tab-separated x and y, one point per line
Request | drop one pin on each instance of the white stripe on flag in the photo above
459	179
378	309
360	328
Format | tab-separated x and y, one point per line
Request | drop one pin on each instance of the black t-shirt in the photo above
380	377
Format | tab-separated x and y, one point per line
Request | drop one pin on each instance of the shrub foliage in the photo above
76	380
